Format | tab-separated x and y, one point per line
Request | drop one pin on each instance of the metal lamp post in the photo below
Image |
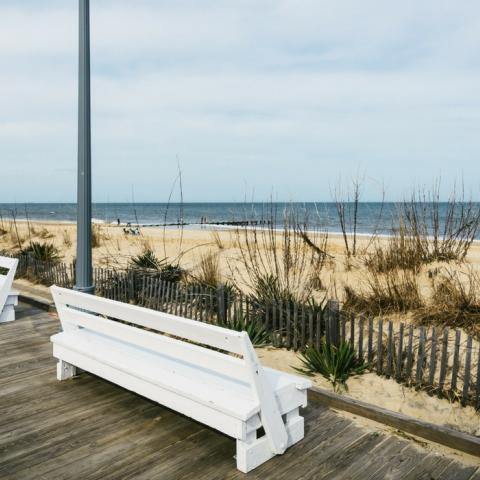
84	281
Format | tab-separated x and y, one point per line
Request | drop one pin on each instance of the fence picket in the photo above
389	369
420	357
477	389
318	336
433	358
444	360
456	361
295	326
400	353
360	337
370	341
466	373
352	331
380	348
410	352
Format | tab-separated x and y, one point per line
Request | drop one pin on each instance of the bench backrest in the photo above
6	279
179	338
170	334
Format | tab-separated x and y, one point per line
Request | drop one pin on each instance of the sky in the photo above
252	98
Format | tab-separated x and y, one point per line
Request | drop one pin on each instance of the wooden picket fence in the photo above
444	362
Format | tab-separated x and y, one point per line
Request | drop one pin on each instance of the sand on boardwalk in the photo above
187	246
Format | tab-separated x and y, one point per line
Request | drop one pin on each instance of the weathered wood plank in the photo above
92	429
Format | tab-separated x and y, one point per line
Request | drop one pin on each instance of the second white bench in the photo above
8	297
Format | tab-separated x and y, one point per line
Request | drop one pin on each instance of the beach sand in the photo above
187	246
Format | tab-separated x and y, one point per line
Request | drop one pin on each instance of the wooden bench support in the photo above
65	370
254	451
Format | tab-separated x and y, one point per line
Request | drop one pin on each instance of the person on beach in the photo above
118	221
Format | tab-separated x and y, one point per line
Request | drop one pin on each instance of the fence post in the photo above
221	304
333	308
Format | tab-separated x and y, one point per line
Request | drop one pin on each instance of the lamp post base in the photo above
90	289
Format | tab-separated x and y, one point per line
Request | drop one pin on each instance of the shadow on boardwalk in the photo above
88	428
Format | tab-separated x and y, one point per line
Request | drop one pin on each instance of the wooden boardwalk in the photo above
88	428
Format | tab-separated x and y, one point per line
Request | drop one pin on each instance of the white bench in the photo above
8	297
165	358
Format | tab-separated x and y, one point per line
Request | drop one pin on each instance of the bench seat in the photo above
205	386
218	389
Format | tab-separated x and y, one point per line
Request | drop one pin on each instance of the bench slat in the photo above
188	352
217	337
191	408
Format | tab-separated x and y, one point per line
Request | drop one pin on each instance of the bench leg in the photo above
65	370
254	451
7	314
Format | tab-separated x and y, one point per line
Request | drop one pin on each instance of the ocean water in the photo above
372	216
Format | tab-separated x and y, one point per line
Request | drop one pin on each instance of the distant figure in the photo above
118	221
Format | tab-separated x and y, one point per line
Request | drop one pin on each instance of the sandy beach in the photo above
187	246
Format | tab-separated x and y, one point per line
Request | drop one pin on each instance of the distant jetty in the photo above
229	223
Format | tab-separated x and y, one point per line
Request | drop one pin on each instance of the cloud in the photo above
275	94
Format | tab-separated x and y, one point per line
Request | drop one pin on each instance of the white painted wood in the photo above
211	335
65	370
252	454
12	298
269	409
8	298
7	314
186	406
224	364
232	394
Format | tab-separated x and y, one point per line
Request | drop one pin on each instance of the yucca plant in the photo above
171	272
146	260
149	262
258	334
45	252
336	364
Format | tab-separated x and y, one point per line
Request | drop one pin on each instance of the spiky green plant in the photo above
172	272
146	260
336	364
258	334
43	251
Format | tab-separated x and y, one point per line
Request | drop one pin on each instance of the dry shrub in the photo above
208	272
455	302
3	227
441	231
67	241
98	236
43	233
281	265
393	291
217	240
427	231
399	252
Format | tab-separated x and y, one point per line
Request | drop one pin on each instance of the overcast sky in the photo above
252	97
